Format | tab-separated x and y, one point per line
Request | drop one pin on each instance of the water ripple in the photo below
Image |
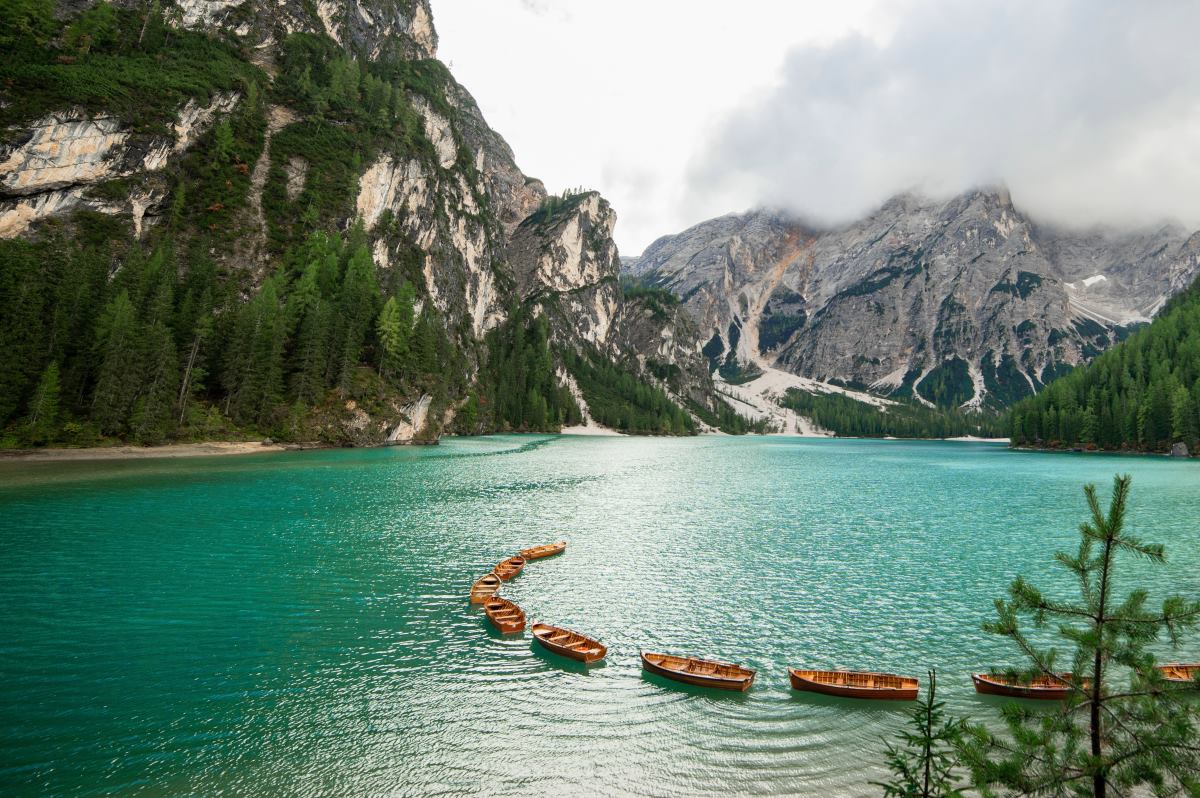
297	624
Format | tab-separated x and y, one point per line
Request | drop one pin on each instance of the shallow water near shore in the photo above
297	623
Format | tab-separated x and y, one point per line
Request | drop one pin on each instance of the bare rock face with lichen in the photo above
374	28
564	262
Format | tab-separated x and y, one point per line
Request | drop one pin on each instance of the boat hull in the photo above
1180	673
592	653
506	617
484	589
699	680
509	568
988	686
541	552
800	682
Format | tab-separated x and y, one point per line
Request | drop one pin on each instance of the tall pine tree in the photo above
117	350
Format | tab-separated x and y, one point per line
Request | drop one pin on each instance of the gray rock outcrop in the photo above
566	259
47	167
565	262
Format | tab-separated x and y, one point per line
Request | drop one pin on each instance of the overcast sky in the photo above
679	110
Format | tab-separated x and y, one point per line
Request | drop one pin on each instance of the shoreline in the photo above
129	452
1116	452
592	428
233	448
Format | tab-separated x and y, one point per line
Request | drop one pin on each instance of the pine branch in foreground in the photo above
1124	729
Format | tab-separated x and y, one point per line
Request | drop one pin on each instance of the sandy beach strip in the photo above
590	428
205	449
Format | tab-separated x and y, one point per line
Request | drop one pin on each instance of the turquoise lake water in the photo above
297	625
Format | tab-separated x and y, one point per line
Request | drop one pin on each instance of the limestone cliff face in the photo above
666	344
966	301
47	167
513	194
457	210
564	260
48	164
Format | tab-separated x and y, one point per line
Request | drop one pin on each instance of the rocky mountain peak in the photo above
314	174
563	256
958	301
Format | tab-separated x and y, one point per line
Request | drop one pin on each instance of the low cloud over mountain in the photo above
1089	112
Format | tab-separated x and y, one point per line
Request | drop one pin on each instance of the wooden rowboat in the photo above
507	617
548	550
855	684
568	643
1044	687
509	568
700	672
485	588
1180	672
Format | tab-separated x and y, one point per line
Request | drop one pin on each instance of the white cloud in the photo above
542	7
678	110
618	95
1089	110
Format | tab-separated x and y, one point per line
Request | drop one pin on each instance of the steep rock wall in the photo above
49	163
565	262
566	259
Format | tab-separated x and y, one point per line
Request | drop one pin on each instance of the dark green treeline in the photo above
157	344
1141	395
844	416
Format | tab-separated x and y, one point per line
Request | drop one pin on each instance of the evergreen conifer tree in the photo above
117	349
926	764
394	337
425	342
254	365
153	418
44	406
22	303
1123	729
357	302
194	371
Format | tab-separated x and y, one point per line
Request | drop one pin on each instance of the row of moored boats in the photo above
508	618
880	686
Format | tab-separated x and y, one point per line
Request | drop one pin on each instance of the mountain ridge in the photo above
965	301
